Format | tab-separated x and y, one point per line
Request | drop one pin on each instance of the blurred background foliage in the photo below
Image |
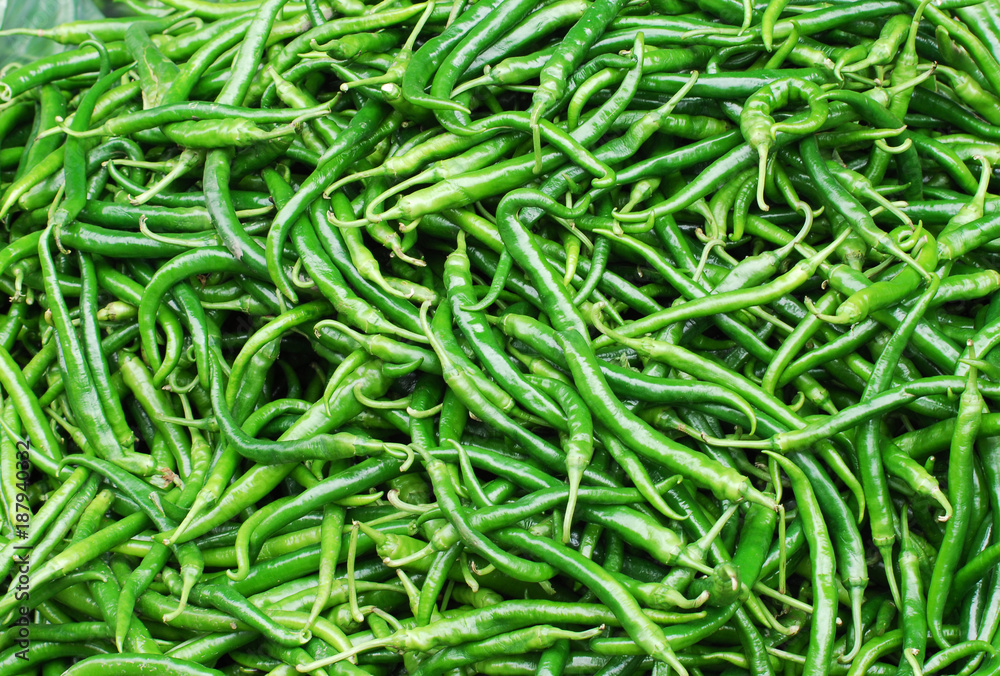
45	14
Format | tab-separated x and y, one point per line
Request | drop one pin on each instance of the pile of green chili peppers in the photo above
503	337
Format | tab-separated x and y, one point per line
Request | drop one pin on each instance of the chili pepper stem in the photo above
187	160
942	500
911	658
356	223
857	594
762	150
374	644
771	620
407	560
763	589
397	250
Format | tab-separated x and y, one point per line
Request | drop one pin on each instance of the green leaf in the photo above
38	14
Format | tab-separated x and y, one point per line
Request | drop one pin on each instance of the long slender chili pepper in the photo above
824	602
967	423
